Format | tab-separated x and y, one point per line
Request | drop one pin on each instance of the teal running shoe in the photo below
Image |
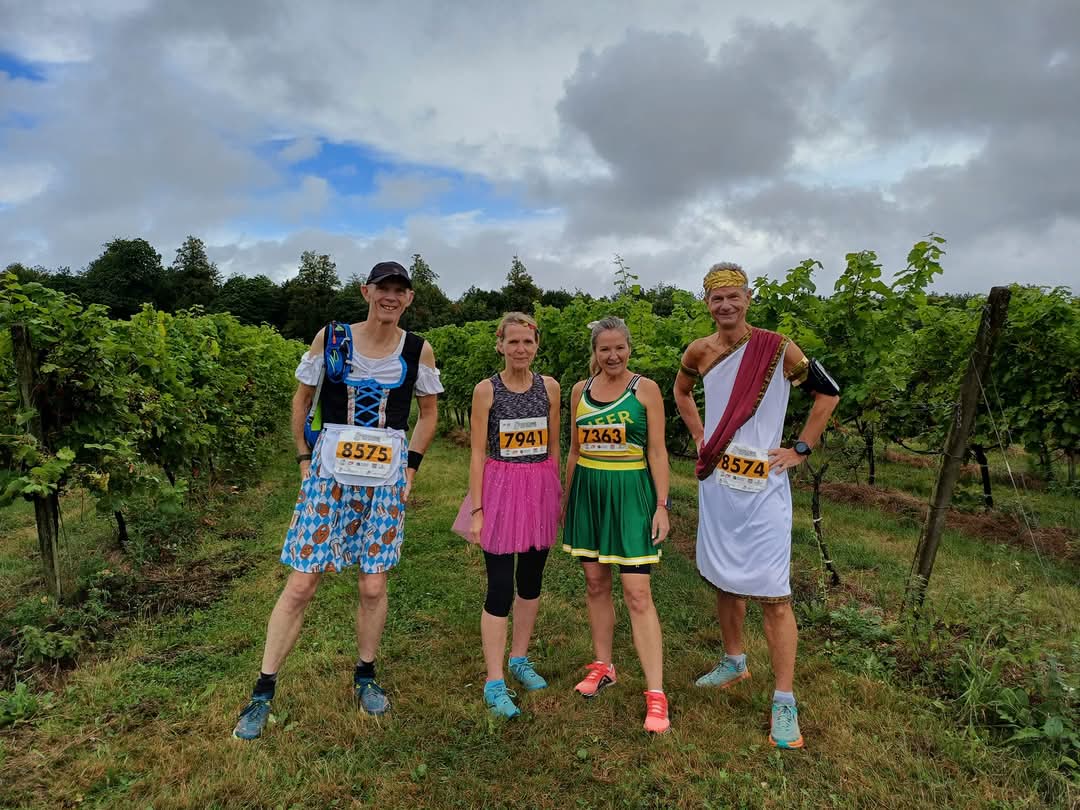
522	670
370	696
500	700
784	732
725	674
252	719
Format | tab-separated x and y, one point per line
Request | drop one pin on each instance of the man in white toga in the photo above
744	499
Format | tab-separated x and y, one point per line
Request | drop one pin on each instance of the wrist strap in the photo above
303	457
414	460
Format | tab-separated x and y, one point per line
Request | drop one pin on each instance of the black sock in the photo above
265	686
364	669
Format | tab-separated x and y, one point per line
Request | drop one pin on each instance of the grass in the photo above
148	725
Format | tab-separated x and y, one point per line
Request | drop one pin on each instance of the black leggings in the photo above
500	577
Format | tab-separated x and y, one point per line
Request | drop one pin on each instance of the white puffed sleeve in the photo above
310	369
427	381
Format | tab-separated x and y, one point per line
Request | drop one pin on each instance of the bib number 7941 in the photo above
523	437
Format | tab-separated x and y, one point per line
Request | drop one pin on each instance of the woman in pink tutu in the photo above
513	506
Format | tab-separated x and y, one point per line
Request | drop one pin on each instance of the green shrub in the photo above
20	705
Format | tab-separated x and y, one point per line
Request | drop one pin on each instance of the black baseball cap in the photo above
384	270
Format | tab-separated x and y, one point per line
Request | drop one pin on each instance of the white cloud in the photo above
19	183
674	133
400	191
300	149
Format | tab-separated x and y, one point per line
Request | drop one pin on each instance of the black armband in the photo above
414	460
818	381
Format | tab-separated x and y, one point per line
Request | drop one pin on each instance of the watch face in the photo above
802	448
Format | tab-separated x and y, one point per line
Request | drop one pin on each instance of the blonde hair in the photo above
516	319
609	323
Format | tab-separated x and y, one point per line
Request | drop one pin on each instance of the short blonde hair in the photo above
517	319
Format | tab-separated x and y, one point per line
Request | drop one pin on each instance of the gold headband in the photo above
725	278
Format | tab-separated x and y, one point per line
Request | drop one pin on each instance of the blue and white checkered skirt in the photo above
335	526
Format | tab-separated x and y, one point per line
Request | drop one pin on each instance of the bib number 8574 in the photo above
749	467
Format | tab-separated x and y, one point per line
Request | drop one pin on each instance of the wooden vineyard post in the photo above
46	507
993	317
815	509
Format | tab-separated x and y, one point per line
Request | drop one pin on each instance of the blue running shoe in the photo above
784	731
500	700
726	673
370	697
522	670
252	719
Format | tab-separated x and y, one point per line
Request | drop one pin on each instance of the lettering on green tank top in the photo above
622	417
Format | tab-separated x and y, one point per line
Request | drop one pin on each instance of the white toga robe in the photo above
744	538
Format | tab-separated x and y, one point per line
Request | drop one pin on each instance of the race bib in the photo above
743	468
364	451
603	438
523	437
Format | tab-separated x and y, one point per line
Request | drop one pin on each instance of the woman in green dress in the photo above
616	507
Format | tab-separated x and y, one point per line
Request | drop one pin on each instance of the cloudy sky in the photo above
673	132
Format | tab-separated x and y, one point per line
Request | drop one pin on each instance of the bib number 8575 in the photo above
362	451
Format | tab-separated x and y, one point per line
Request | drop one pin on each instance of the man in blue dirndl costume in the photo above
359	379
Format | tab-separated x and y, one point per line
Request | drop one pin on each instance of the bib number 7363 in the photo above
602	438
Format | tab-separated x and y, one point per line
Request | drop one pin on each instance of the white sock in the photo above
784	697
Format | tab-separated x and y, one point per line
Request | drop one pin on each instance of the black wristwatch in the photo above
802	448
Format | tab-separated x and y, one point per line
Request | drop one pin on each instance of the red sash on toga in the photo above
759	360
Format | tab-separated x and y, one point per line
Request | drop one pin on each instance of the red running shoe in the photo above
656	713
600	676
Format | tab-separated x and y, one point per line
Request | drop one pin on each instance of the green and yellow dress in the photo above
612	497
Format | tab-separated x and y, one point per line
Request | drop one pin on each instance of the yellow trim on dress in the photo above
609	559
598	464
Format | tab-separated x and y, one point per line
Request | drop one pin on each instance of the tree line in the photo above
130	273
897	348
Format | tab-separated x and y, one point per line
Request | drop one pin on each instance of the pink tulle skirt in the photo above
521	507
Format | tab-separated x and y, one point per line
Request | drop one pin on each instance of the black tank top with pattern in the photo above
507	404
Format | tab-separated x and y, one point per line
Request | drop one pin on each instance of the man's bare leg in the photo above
370	614
782	634
731	612
286	619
